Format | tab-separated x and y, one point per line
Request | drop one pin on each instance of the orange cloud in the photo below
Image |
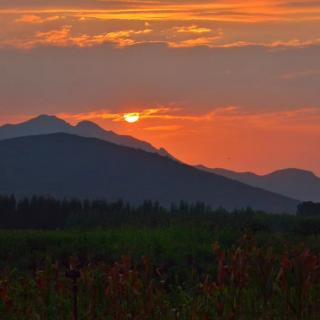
161	113
200	41
34	19
300	74
305	117
64	37
176	37
93	115
163	128
191	29
225	10
178	24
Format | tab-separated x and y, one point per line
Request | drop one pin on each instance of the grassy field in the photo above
256	267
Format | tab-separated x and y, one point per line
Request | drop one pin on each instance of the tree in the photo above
308	209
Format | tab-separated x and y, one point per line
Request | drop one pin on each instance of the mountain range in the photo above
45	124
65	165
295	183
290	183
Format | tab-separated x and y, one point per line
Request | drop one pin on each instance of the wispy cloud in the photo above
35	19
223	10
159	113
307	118
300	74
176	37
163	128
191	29
64	37
178	24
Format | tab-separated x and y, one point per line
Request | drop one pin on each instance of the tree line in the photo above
308	209
41	212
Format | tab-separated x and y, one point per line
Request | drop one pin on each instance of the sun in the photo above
132	117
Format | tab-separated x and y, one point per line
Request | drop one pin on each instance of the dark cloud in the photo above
72	79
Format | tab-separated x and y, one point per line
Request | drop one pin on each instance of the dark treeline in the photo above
41	212
308	209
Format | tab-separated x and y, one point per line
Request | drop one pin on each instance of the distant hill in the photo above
45	124
294	183
66	165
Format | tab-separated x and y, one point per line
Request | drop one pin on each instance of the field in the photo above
212	265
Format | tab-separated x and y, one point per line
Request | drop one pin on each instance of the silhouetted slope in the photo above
294	183
92	130
45	124
73	166
36	126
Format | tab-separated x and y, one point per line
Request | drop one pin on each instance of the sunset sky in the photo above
229	83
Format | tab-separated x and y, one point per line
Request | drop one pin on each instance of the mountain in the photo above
294	183
45	124
65	165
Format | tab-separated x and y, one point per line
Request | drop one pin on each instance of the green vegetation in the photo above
189	262
186	278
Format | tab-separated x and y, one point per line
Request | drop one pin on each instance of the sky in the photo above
233	84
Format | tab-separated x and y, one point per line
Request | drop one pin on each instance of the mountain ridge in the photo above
66	165
49	124
296	183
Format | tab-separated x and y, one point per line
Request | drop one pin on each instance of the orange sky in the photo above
225	137
177	23
225	83
228	138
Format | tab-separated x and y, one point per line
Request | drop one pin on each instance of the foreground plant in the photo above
246	282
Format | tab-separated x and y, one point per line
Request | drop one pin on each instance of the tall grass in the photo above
247	281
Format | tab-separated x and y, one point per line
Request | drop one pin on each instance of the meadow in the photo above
186	264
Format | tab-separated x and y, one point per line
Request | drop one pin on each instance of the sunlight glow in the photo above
132	117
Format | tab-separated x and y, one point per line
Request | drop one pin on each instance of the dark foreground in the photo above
199	265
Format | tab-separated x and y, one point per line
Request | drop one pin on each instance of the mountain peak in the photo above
48	124
292	182
86	124
44	118
294	172
43	124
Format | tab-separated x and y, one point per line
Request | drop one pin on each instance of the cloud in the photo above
195	42
161	113
178	24
64	36
163	128
124	38
307	118
300	74
71	78
191	29
196	39
230	11
34	19
29	31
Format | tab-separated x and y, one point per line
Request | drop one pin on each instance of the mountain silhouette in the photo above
65	165
45	124
295	183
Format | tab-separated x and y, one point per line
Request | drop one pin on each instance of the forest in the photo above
48	213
